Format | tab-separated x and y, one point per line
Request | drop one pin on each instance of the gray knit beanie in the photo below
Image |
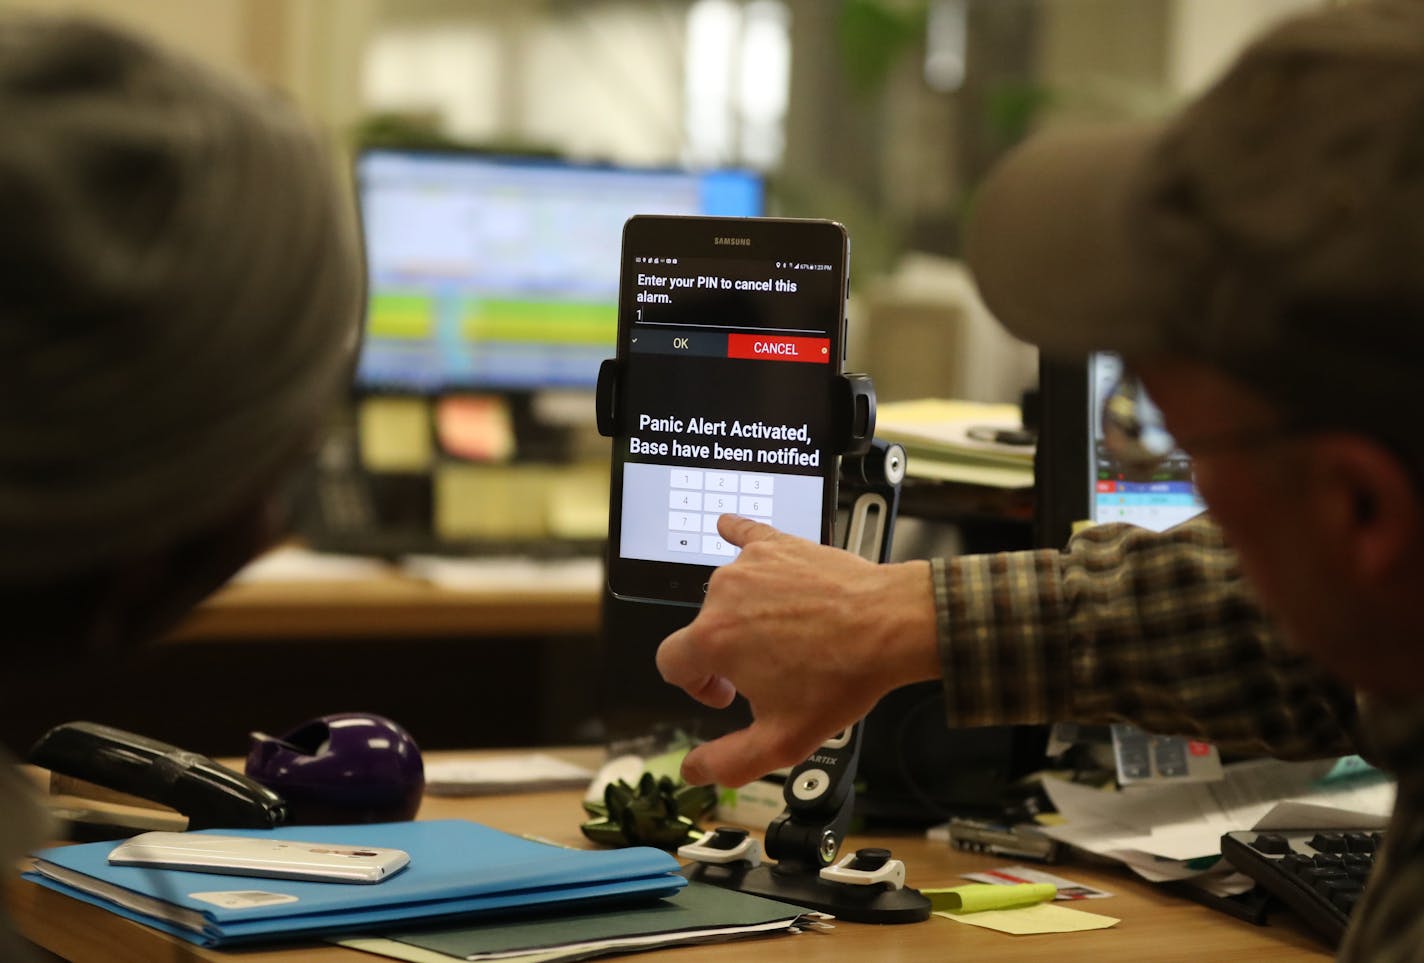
180	294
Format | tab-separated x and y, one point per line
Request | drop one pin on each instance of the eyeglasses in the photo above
1136	436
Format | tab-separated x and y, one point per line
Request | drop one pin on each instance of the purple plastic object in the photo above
352	767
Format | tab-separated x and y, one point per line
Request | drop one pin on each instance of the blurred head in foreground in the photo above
1259	261
180	292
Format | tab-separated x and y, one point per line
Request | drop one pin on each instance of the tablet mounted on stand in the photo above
805	840
867	886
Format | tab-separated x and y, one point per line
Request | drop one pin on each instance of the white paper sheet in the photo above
526	772
1187	822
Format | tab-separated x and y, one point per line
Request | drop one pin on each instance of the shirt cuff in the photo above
1003	643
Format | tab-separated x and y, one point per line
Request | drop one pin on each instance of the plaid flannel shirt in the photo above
1160	630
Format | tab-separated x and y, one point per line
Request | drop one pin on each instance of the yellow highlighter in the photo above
976	897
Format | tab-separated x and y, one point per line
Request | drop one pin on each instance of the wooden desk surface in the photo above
388	607
1154	925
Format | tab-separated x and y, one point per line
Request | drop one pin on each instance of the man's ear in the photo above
1372	507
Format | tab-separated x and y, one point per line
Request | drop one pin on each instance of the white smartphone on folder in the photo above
255	856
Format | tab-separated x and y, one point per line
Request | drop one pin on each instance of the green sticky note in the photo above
1038	918
1346	768
976	897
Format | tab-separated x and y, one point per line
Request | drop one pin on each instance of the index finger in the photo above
731	760
741	532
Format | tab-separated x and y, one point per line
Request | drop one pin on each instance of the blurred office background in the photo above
882	114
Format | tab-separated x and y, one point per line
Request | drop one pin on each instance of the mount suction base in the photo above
844	901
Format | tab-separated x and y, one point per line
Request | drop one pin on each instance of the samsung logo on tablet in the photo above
735	241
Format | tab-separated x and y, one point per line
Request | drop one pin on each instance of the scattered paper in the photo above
395	434
1032	920
1186	822
578	502
1365	807
989	476
699	914
527	772
379	946
479	501
1223	884
290	564
1066	889
954	426
945	440
579	576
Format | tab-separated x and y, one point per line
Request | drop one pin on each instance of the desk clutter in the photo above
1264	836
349	767
1319	874
697	914
1018	908
291	565
474	891
441	888
358	879
496	473
962	441
457	869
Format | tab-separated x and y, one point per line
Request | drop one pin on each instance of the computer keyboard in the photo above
1319	874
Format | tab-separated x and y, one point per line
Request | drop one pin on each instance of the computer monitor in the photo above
1075	477
497	273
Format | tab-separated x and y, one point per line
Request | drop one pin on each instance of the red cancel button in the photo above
770	347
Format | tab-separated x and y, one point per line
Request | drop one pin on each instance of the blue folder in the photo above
458	869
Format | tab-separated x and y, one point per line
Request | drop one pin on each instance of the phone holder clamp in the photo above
723	846
606	396
852	412
867	886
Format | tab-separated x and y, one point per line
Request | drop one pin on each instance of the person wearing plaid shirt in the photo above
1033	637
1258	261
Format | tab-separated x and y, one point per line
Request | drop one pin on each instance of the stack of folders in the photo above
458	870
701	913
960	441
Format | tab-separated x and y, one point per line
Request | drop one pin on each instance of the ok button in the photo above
702	344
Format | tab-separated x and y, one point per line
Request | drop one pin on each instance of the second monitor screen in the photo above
500	274
1167	499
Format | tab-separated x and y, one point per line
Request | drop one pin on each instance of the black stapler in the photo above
209	794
